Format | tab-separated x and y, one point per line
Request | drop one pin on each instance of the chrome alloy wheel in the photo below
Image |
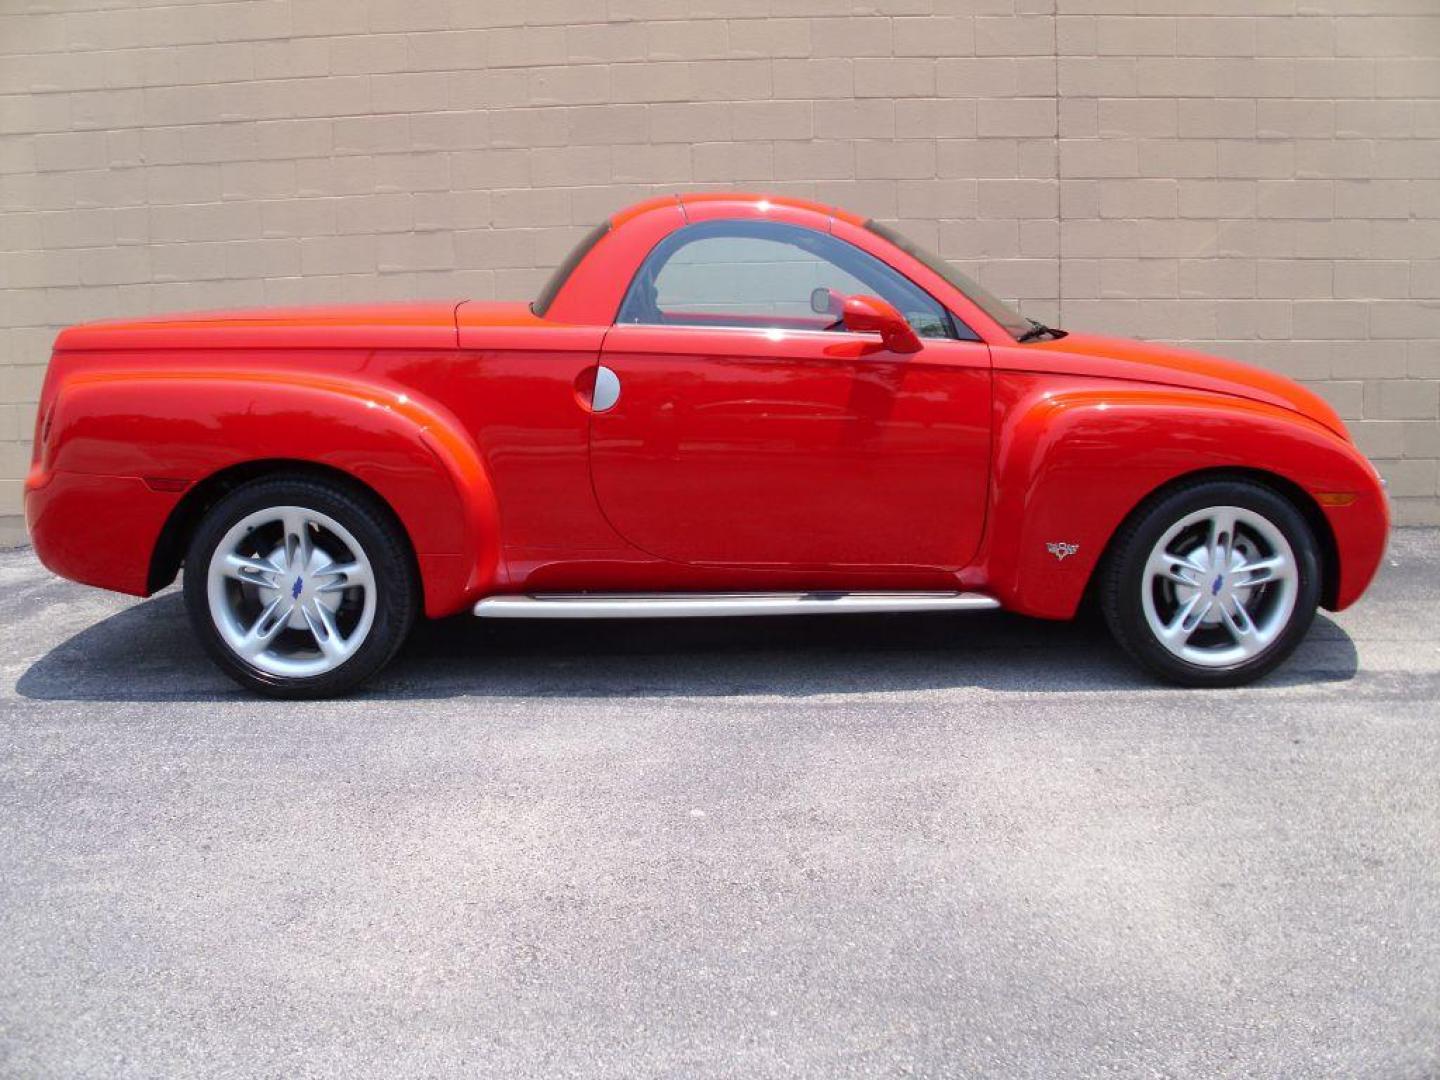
291	592
1219	586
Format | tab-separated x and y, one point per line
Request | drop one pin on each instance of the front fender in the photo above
1074	458
182	428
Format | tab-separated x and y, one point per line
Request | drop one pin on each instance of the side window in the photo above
762	274
747	276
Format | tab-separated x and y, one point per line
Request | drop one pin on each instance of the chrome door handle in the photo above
607	390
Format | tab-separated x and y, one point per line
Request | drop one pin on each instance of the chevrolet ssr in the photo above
718	405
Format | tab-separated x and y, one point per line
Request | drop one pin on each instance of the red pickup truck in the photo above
718	405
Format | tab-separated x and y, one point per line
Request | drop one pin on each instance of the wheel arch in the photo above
169	550
184	437
1292	492
1074	462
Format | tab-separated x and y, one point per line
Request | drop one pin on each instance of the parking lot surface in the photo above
825	846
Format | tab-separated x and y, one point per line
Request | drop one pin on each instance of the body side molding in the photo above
699	605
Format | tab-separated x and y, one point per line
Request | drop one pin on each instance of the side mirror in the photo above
871	315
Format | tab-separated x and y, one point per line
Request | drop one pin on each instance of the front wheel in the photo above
298	587
1213	584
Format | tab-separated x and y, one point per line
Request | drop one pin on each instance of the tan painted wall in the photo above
1262	180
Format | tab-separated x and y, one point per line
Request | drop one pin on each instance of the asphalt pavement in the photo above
839	846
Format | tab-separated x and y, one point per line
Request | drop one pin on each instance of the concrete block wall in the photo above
1259	178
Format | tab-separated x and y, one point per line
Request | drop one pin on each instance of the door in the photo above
745	428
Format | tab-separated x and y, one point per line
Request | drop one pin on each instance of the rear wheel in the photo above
299	588
1214	584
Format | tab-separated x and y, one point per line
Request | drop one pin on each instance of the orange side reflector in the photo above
1335	498
165	483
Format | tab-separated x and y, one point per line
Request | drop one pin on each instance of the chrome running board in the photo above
695	605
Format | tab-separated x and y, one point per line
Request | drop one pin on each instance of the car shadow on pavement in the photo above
147	653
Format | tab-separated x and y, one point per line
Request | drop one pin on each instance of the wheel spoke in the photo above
1183	624
1222	537
1182	569
298	547
250	569
345	576
1263	570
1180	572
323	629
1237	622
266	628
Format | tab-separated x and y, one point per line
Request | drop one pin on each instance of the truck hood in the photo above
415	325
1143	361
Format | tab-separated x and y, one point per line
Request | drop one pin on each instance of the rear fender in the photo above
178	429
1073	462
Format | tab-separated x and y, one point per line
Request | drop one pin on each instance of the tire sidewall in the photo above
1124	606
395	590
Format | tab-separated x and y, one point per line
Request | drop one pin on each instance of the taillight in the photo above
40	452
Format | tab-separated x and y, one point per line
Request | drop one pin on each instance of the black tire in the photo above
397	591
1123	579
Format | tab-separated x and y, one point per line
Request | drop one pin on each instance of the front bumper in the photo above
1362	535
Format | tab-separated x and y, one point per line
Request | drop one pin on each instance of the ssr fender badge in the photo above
1061	550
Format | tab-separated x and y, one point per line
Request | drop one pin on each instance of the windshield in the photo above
1014	323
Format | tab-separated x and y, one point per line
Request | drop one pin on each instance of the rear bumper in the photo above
97	530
